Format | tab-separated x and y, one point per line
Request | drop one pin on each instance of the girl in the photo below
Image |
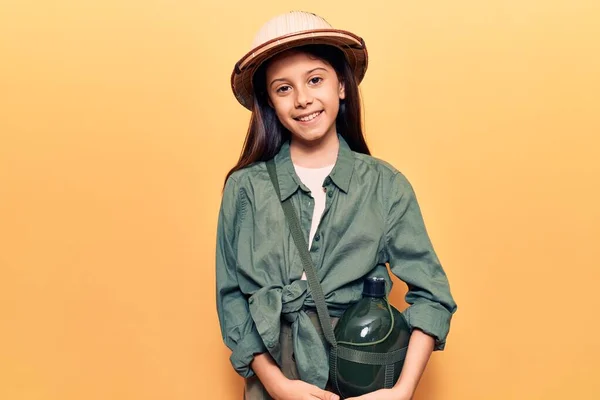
300	80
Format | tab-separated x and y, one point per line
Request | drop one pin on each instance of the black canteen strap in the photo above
311	274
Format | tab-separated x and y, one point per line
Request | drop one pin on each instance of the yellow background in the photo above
118	125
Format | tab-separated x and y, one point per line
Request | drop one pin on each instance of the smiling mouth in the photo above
309	117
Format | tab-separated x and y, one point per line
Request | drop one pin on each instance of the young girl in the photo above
358	213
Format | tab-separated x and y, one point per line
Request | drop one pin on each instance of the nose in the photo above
303	97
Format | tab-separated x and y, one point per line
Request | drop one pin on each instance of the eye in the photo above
283	89
315	80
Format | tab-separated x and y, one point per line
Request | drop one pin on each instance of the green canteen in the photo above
371	325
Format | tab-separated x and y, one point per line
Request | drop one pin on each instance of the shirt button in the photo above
317	238
330	194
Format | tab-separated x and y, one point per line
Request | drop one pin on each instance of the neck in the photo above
317	154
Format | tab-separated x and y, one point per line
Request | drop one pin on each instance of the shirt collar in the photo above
289	181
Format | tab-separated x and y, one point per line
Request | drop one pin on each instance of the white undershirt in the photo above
313	179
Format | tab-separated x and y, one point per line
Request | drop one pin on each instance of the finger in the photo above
315	392
325	395
331	396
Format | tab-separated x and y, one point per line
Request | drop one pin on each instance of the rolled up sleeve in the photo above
237	327
413	260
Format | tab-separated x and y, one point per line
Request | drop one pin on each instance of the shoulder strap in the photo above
311	274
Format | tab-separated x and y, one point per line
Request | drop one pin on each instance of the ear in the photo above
342	90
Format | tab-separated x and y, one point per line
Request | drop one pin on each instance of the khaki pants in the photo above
254	390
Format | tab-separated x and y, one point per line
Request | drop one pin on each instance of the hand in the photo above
300	390
383	394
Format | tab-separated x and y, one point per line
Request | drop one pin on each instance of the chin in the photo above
313	137
310	136
308	139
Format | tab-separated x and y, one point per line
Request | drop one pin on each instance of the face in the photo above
305	93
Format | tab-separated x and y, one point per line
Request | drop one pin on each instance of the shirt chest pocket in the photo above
263	250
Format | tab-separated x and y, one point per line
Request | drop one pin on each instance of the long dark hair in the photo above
266	134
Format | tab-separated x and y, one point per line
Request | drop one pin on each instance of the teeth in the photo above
309	117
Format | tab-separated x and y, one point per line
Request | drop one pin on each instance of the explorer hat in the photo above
287	31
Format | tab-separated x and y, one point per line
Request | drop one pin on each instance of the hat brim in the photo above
353	47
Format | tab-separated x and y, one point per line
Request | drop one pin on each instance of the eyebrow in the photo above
307	73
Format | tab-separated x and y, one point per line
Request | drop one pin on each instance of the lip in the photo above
312	120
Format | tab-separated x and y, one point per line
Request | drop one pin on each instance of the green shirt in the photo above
371	218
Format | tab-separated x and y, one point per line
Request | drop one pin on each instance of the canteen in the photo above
370	325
